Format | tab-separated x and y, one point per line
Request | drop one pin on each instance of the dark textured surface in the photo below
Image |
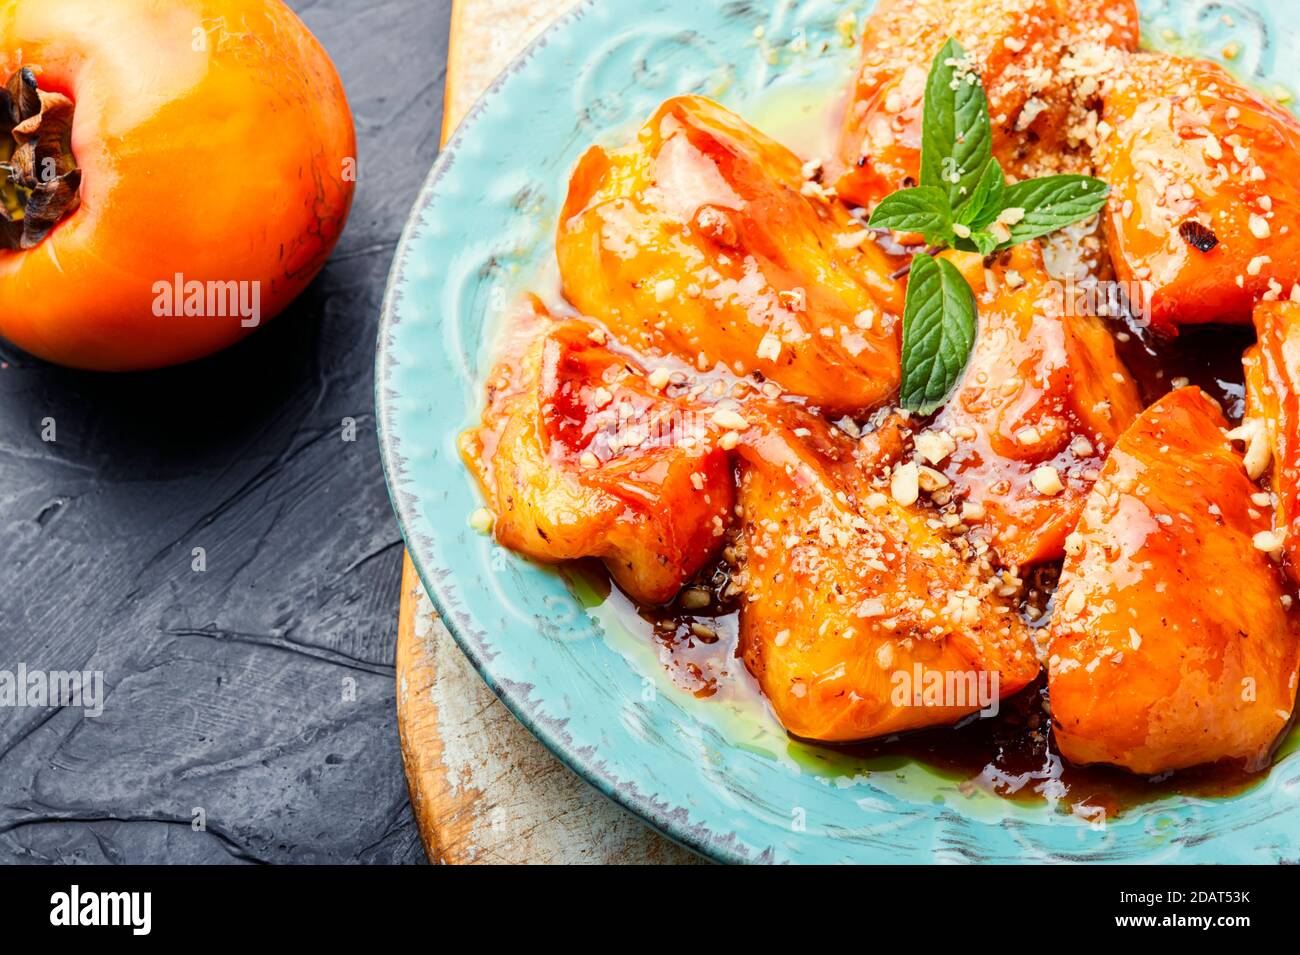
228	689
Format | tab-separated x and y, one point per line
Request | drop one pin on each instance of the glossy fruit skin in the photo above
1170	642
1165	171
560	472
848	592
1044	387
215	142
707	220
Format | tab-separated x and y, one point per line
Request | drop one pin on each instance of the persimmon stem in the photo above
40	184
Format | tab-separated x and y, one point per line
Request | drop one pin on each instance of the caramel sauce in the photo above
1208	356
1011	754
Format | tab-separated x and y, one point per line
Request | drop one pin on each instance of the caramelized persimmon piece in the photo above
579	456
1038	59
1042	400
1271	429
701	240
1204	205
1170	644
1113	23
851	596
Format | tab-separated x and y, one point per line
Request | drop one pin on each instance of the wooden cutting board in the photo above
482	788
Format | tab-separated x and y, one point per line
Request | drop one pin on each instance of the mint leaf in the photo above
1051	203
938	332
923	209
983	242
985	201
956	138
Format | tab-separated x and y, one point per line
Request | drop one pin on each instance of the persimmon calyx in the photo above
40	183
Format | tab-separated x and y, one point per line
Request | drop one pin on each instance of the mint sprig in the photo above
964	203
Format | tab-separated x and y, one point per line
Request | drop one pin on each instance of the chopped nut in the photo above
928	479
481	520
730	420
1253	432
1075	602
1269	542
769	348
934	446
1074	544
703	631
1028	435
852	240
815	190
905	484
695	598
1046	480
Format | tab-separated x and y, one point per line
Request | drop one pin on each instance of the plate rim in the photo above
639	804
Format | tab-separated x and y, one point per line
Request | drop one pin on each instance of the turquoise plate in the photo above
720	778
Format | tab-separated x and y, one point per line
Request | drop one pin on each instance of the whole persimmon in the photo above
172	174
